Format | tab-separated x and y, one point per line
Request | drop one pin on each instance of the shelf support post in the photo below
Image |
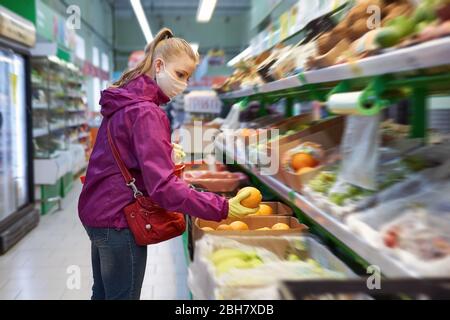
419	113
289	108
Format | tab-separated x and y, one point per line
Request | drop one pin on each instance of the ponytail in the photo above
146	64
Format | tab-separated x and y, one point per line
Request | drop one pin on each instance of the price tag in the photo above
284	25
355	68
291	195
301	77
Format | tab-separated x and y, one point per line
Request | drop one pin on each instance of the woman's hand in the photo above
236	209
178	153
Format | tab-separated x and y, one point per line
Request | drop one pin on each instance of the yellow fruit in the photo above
253	200
301	160
305	170
232	263
223	227
264	210
263	229
221	255
238	226
207	229
280	226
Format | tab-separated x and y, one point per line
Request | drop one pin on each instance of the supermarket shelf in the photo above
77	124
430	54
44	86
40	132
389	267
41	106
80	136
57	127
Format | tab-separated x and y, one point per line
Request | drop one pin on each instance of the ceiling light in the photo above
194	46
205	10
142	19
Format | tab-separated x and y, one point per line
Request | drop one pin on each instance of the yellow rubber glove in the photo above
178	153
236	209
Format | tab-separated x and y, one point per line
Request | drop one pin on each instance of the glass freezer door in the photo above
13	134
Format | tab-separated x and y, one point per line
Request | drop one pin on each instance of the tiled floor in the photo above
38	267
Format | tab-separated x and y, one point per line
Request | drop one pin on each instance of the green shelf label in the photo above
291	195
302	78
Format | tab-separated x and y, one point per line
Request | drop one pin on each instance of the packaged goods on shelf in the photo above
394	169
58	107
250	268
414	229
350	42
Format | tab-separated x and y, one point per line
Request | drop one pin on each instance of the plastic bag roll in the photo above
348	103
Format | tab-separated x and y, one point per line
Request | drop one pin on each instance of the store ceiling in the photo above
182	7
228	28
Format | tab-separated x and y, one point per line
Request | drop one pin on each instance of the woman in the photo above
141	133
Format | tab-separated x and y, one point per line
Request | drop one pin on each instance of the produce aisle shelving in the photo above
414	72
390	267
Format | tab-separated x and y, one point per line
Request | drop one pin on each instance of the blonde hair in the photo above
164	46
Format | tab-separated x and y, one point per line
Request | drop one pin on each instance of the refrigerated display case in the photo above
17	213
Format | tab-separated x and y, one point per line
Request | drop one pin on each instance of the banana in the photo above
224	254
231	263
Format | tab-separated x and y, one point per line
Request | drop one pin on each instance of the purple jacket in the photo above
141	132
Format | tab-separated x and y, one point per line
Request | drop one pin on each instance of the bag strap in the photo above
130	181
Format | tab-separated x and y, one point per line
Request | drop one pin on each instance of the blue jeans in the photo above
118	264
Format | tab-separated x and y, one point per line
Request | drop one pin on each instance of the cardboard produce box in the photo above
253	223
329	131
334	123
204	283
284	125
329	139
275	151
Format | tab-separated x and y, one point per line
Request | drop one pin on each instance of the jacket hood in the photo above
141	89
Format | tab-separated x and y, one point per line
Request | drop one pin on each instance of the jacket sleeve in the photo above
153	149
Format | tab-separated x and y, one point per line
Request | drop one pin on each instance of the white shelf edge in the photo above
429	54
40	132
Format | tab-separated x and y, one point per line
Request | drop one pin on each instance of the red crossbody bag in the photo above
148	222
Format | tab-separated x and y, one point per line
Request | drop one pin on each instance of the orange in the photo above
238	226
280	226
305	170
223	227
301	160
264	210
253	200
207	229
263	229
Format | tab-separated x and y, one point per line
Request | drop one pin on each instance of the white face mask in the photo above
170	85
